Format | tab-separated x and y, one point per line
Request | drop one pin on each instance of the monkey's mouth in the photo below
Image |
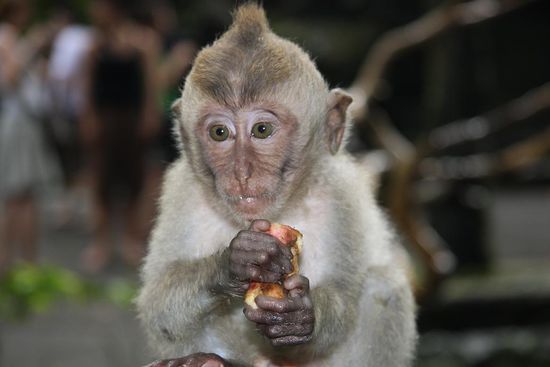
250	204
247	199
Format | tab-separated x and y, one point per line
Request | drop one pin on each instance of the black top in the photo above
118	80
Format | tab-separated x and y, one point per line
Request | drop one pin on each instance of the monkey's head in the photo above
256	118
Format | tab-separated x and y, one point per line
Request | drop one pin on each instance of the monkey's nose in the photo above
243	182
242	168
242	174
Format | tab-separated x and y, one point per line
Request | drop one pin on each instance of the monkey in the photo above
260	137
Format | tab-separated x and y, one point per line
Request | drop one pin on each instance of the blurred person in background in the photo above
26	164
119	122
66	82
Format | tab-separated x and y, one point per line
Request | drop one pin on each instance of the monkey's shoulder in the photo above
178	178
187	223
347	174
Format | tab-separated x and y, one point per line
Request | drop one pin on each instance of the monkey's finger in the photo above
298	283
298	329
291	340
283	264
248	257
248	267
244	257
285	251
243	273
259	225
275	264
255	241
254	273
261	275
262	317
193	360
264	241
272	245
284	305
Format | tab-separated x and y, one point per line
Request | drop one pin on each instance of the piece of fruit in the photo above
289	237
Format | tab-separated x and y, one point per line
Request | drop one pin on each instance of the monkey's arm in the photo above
377	316
336	310
387	319
179	295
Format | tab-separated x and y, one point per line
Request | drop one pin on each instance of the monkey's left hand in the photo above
287	321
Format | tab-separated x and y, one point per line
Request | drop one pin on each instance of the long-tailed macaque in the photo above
260	137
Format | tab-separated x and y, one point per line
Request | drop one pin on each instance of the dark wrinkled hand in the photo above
192	360
287	321
257	256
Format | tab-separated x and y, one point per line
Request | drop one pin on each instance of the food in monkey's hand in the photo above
291	238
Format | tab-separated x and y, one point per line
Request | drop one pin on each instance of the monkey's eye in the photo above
219	132
262	130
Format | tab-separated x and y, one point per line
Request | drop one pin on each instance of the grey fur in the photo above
364	308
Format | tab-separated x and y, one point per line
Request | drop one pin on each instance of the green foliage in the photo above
26	289
120	292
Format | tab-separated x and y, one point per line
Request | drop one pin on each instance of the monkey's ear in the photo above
176	116
176	107
338	102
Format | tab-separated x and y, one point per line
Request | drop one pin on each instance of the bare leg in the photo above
27	228
133	240
139	218
96	256
20	229
7	234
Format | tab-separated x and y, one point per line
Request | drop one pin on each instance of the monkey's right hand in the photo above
193	360
257	256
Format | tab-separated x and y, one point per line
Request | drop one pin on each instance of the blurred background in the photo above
452	111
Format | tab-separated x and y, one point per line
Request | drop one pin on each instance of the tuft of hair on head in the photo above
249	23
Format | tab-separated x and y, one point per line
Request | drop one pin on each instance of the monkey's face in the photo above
256	117
249	153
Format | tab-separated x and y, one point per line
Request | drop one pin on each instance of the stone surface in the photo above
95	334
